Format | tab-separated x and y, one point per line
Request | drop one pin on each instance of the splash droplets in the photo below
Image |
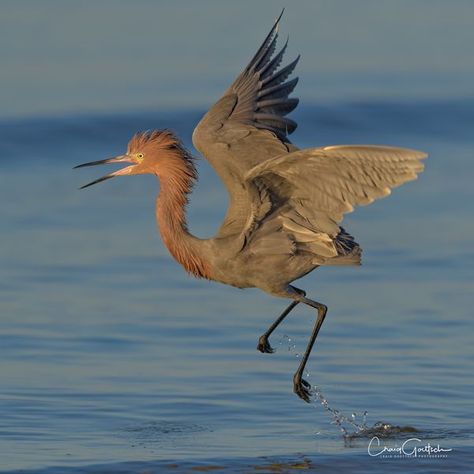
349	426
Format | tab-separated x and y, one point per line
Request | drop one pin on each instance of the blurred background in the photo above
111	355
115	56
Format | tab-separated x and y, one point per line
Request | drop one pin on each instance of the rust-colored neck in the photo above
177	177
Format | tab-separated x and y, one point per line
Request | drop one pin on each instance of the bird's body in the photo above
285	204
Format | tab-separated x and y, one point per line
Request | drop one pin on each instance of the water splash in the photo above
353	426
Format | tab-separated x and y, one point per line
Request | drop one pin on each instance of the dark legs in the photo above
300	386
263	344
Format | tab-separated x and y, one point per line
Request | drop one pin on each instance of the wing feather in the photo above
325	183
248	125
259	100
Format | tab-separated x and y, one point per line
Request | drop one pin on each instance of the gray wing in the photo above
313	188
247	126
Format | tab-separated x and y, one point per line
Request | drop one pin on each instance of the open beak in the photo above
118	159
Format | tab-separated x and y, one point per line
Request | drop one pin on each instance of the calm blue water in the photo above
113	360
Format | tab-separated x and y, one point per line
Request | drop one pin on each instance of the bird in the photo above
285	204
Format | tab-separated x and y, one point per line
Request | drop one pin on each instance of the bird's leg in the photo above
263	344
300	386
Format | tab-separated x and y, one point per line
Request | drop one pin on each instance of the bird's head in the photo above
148	152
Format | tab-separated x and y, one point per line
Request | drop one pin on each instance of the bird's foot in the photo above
264	346
302	388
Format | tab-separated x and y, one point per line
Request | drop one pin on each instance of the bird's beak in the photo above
118	159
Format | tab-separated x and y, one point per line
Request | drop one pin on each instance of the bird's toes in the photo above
264	346
306	384
302	388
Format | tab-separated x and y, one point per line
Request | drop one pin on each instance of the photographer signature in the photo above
411	448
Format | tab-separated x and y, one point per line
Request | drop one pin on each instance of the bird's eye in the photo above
140	155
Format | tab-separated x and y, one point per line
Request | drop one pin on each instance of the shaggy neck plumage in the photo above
177	175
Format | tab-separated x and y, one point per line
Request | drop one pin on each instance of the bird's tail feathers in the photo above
348	250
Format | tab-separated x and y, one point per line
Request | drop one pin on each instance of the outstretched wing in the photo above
248	125
316	186
261	91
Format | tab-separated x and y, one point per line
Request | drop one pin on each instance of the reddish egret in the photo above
285	204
